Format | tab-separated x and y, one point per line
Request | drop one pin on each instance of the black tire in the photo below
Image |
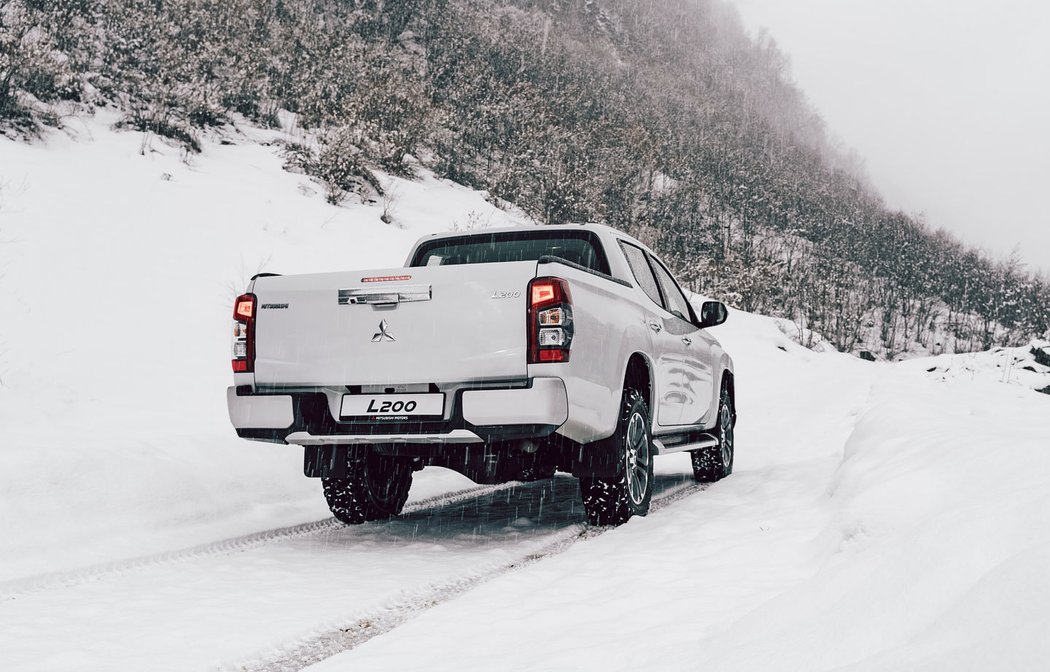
715	463
375	488
612	501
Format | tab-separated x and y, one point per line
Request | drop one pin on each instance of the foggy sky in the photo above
947	101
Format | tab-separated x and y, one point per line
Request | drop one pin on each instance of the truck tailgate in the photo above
435	324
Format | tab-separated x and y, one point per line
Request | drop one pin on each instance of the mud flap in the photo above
600	459
329	461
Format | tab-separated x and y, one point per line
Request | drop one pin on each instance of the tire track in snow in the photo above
67	579
355	630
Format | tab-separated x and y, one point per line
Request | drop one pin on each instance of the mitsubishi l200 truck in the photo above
504	354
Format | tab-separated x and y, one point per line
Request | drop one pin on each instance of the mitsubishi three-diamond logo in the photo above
382	334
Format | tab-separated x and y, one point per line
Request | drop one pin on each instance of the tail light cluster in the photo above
550	320
244	334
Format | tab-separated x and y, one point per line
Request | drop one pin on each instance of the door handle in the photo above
655	327
687	340
385	296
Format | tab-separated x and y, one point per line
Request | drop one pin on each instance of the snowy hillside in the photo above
881	516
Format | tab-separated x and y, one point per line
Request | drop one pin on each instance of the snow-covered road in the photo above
287	594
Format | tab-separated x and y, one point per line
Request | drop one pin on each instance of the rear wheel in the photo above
375	488
715	463
612	501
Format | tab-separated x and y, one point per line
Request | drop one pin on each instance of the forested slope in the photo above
662	118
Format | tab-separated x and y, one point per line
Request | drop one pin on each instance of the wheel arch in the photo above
729	379
638	375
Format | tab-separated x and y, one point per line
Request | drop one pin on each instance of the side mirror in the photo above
712	314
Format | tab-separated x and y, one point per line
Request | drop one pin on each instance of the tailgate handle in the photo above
385	296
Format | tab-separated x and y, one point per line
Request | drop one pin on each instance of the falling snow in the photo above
881	516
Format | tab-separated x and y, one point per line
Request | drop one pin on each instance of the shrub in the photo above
31	68
337	164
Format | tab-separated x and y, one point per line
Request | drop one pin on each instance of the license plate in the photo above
392	405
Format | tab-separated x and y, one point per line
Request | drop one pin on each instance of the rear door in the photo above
693	347
395	326
666	349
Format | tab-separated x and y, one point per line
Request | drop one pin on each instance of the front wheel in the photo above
612	501
716	462
375	488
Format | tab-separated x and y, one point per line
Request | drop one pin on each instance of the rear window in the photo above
578	247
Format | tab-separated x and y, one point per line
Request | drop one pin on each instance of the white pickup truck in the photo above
505	354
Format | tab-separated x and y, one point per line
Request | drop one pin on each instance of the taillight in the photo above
244	334
550	320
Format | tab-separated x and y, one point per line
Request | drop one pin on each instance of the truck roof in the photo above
593	226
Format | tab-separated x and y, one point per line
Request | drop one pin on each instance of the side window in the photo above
642	273
676	301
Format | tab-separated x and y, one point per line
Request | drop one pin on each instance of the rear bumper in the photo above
260	411
477	415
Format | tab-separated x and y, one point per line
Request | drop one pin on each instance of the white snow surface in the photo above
880	516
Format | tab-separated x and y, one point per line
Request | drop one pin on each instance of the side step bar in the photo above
693	443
